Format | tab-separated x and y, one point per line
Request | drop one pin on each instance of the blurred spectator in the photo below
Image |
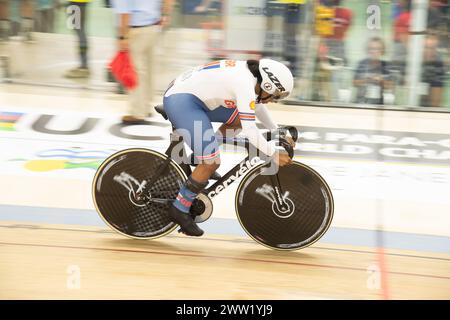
139	26
401	36
438	23
26	19
190	7
402	22
396	9
209	15
341	22
372	77
203	6
82	71
322	74
45	15
291	12
120	89
433	74
437	15
4	20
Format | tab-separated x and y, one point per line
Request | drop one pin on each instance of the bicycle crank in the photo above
202	208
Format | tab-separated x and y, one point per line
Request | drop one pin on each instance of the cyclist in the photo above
231	92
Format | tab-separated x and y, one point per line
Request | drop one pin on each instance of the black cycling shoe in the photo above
187	224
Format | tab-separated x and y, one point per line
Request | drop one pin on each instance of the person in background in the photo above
203	6
436	15
82	71
323	68
140	23
285	48
433	74
438	23
401	37
372	76
4	21
120	89
45	15
26	21
341	21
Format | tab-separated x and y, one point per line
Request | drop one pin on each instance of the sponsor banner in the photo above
410	147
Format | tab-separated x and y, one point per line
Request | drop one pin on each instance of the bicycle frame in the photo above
233	174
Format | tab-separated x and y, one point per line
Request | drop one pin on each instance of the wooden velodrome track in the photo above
36	263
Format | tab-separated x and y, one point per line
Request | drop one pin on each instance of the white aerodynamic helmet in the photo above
277	79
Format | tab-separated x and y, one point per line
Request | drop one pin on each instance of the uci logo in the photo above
274	79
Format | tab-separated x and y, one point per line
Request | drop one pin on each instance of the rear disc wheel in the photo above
118	199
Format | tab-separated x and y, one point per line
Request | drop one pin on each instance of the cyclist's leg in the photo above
189	116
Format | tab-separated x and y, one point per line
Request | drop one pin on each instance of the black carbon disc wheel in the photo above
305	217
116	187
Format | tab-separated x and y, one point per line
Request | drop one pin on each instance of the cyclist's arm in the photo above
246	107
255	137
263	115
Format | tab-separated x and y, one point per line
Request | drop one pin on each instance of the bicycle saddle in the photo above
160	109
